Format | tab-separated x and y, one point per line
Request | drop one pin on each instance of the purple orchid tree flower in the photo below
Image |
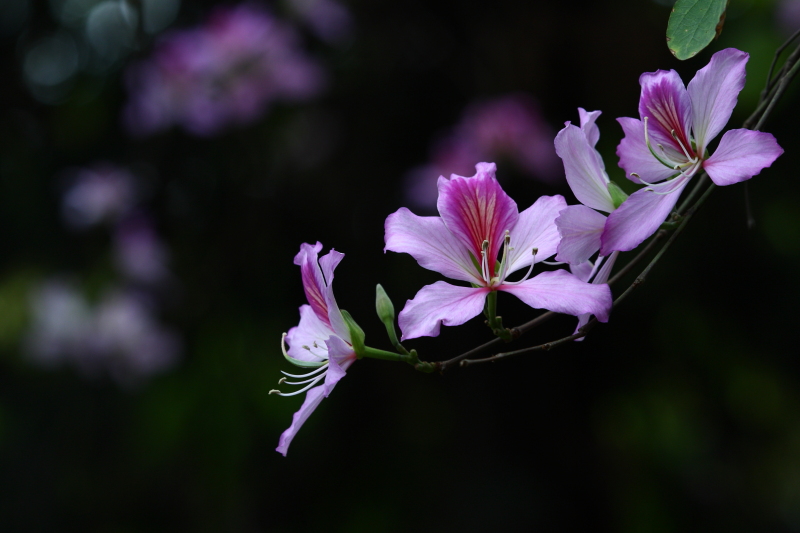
671	140
580	226
321	341
478	220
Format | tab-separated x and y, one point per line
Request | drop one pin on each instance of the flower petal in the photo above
741	154
665	101
588	125
313	282
313	399
580	229
440	303
328	263
582	271
307	340
640	216
536	228
562	292
429	241
635	157
714	91
584	168
476	209
341	356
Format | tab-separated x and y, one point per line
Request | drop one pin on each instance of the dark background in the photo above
681	414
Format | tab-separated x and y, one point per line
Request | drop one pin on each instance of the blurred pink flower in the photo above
225	72
507	128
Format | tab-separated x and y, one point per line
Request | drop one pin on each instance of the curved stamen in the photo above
314	382
528	273
685	152
504	262
299	376
485	261
650	147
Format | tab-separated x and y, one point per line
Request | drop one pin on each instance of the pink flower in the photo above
671	142
478	221
580	226
321	341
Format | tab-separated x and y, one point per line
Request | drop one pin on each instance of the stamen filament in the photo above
313	382
649	147
300	376
528	273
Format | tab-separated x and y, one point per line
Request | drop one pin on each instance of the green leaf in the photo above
693	24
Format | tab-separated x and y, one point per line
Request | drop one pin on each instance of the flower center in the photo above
502	267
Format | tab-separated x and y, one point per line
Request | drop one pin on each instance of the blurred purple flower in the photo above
787	15
102	193
509	127
328	19
225	72
119	336
139	253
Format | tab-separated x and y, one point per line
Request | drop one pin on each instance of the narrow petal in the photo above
476	209
666	102
635	157
313	281
714	91
536	228
440	303
562	292
582	271
588	125
328	263
429	241
640	216
307	340
741	154
341	356
584	169
313	398
580	229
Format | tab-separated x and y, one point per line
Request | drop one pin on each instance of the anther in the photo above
280	381
274	391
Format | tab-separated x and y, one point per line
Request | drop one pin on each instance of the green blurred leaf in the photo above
693	24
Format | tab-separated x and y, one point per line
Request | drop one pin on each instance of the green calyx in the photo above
617	194
356	334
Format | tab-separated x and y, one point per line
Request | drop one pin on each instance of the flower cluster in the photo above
482	239
119	334
223	73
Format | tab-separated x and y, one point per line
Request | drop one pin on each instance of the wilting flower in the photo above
321	341
225	72
671	140
580	226
478	221
508	127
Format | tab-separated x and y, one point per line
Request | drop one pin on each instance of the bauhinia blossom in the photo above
481	238
580	226
671	142
321	341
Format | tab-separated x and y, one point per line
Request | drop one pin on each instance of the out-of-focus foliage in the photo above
680	414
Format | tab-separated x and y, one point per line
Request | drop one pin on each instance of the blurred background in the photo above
161	161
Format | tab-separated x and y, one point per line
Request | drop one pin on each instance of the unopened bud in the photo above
383	305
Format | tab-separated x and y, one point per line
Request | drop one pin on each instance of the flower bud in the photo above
384	305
